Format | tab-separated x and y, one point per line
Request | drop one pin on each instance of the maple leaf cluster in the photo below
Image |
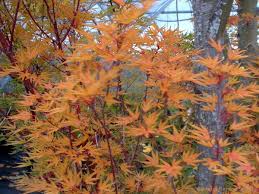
117	115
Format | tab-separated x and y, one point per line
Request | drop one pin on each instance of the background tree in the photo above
248	27
108	108
210	19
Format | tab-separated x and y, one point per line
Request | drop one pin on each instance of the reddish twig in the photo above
135	151
109	147
53	21
139	138
174	187
72	22
7	10
5	44
70	137
55	25
14	24
35	22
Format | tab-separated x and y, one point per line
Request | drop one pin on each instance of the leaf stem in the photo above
109	147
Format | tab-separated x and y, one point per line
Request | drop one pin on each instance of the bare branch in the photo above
7	10
72	22
14	23
35	22
53	21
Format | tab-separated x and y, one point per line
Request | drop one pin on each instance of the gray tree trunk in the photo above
247	34
210	18
247	31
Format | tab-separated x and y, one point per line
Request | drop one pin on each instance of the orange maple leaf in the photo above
176	137
233	20
119	2
173	170
237	156
202	136
190	158
22	115
153	160
216	45
236	54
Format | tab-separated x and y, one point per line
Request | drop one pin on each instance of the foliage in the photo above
85	131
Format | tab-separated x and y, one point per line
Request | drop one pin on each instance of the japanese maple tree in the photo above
110	107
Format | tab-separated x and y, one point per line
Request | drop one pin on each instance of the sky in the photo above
165	20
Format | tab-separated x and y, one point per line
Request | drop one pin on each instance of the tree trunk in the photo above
247	30
210	18
247	34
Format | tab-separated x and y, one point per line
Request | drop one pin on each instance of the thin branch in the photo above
14	23
130	84
3	24
139	138
56	25
5	46
109	147
70	137
54	13
48	12
135	151
60	69
5	117
53	22
35	22
7	10
146	90
174	187
99	32
72	22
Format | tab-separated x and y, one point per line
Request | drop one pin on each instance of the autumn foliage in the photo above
114	112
